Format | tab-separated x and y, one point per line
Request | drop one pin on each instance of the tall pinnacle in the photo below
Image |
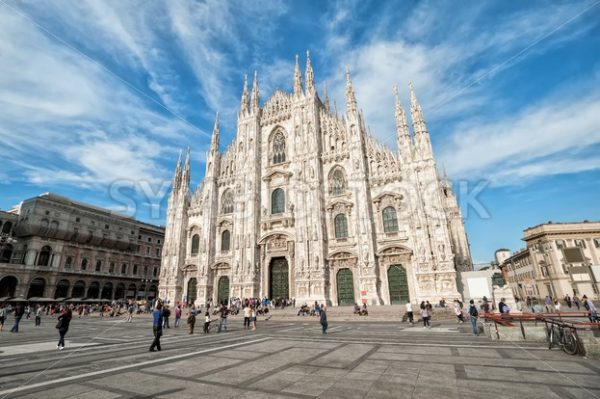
416	112
245	97
403	134
177	176
214	143
185	179
326	97
255	100
309	76
422	140
297	80
350	97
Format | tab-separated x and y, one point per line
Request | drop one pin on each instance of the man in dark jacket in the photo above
323	319
19	312
474	314
157	323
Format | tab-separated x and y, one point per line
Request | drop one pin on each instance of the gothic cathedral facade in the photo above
305	204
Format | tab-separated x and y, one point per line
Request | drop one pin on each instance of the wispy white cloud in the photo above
544	139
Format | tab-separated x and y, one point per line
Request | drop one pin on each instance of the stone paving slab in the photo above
335	365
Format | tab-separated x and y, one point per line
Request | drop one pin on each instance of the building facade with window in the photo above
305	204
60	248
560	259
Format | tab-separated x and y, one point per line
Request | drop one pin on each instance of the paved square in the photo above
107	358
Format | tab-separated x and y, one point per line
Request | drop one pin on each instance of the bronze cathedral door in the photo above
279	283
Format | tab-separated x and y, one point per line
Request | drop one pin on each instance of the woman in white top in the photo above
409	312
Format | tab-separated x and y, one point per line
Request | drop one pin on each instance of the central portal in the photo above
279	283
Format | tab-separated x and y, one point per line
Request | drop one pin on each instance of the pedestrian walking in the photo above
577	302
425	315
3	314
548	303
19	312
157	322
556	305
223	319
206	322
591	308
191	319
253	318
177	315
323	319
474	315
166	314
409	313
568	301
130	313
64	321
38	315
247	315
458	311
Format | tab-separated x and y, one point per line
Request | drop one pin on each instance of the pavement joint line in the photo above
7	392
341	340
33	362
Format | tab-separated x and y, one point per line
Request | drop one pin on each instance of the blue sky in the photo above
97	98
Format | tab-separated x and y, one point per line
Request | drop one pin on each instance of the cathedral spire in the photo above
245	97
214	143
255	100
326	97
185	179
402	132
422	140
350	97
309	77
297	80
177	176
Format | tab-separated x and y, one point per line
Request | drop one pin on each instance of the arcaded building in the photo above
54	247
305	204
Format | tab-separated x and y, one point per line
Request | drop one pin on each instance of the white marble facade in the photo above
305	204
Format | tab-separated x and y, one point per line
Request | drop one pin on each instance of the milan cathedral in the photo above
305	204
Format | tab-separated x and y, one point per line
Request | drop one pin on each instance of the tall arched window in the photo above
227	202
225	240
98	265
84	263
278	149
68	262
277	201
341	226
135	270
337	181
195	244
390	220
44	258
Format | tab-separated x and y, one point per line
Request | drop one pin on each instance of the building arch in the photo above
36	288
93	291
62	289
7	227
107	291
120	291
8	286
78	290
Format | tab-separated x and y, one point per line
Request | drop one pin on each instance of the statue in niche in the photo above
316	262
264	211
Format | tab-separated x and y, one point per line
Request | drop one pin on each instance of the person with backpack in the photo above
157	322
223	319
191	319
474	314
64	321
166	314
19	312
